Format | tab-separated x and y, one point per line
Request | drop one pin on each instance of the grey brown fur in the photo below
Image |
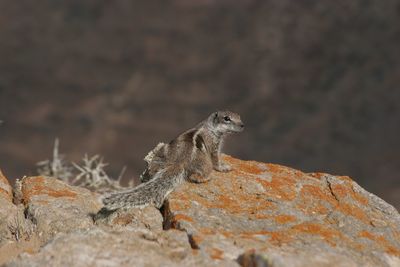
191	156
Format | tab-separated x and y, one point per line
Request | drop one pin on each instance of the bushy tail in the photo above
152	192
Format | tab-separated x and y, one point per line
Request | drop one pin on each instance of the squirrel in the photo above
191	156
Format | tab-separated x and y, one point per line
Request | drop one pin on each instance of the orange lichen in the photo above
340	190
317	175
34	180
345	189
353	211
381	241
274	168
317	193
228	192
361	199
6	194
311	207
180	202
313	199
321	209
244	166
186	196
182	217
328	234
279	238
226	233
250	168
4	191
262	216
282	189
314	228
195	252
207	231
229	203
284	171
3	178
396	234
285	219
41	190
216	254
275	237
36	187
230	197
197	239
252	233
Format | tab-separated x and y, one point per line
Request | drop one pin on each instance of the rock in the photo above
54	206
147	218
5	188
257	215
8	210
63	214
285	257
286	217
99	247
16	233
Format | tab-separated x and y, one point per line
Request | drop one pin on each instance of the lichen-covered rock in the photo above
99	247
286	217
16	233
8	210
5	188
257	215
54	206
147	218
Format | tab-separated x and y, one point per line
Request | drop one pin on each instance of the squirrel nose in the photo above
242	125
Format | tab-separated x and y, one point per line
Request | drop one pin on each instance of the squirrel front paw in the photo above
197	178
223	167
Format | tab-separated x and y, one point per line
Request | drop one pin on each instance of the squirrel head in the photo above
225	122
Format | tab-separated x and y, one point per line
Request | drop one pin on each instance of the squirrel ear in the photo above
215	117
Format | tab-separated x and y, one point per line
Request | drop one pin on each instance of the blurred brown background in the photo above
316	82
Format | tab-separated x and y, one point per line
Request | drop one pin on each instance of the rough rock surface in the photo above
15	231
54	206
279	216
148	218
5	187
7	211
97	247
257	215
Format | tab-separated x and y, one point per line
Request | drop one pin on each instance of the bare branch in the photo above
56	167
90	173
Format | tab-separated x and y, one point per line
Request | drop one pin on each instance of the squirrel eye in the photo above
226	118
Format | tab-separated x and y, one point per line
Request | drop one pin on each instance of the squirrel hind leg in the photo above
103	213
